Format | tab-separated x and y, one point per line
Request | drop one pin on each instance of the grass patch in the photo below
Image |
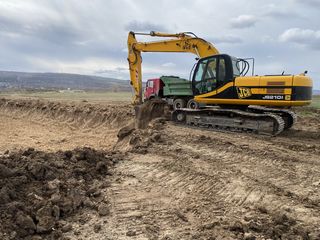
89	96
315	101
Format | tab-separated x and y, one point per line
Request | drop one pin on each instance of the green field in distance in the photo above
316	101
89	96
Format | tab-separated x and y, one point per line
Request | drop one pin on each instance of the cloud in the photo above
90	37
41	23
145	26
281	13
226	39
312	3
114	70
168	64
266	39
243	21
306	37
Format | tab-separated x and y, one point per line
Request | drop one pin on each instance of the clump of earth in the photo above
39	190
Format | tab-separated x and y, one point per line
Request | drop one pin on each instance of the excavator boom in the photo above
180	42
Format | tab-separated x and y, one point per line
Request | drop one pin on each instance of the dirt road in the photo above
181	183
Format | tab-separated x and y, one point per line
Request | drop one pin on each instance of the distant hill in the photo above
23	80
316	92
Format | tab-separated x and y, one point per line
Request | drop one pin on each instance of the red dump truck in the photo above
175	90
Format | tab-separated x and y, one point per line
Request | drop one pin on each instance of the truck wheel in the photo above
179	116
192	104
179	103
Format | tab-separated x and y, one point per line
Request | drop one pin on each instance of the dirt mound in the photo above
79	114
39	191
133	139
271	225
146	128
150	110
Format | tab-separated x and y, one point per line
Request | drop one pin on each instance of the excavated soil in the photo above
41	192
50	125
160	182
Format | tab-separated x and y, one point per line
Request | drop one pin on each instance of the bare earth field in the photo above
64	174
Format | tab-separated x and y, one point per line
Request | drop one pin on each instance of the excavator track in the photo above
266	123
288	116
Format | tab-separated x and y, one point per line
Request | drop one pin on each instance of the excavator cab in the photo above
214	72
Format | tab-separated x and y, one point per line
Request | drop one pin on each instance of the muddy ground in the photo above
163	182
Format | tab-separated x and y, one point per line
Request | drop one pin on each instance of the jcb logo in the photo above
244	92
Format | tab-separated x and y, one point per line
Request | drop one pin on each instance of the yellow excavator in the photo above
246	103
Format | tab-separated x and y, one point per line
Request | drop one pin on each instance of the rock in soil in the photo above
97	228
103	209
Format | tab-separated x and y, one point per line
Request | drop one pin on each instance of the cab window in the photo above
211	70
150	84
211	74
210	79
222	72
200	71
236	67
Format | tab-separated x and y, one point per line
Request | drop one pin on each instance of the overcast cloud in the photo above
243	21
89	37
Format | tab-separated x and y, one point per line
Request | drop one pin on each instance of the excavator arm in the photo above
180	42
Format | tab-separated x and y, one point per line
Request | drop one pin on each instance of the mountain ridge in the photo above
49	80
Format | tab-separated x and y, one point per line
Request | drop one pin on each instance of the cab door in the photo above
211	74
205	76
149	90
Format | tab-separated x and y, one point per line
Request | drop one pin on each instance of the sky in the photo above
90	37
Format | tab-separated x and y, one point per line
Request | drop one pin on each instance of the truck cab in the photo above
154	88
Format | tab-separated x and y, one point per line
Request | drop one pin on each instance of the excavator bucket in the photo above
149	110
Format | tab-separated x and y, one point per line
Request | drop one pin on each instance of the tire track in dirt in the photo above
227	185
273	185
140	210
195	198
151	206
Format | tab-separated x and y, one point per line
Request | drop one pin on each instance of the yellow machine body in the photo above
293	90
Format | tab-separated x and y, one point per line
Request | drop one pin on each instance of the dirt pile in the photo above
78	114
150	110
39	191
146	128
271	225
136	140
